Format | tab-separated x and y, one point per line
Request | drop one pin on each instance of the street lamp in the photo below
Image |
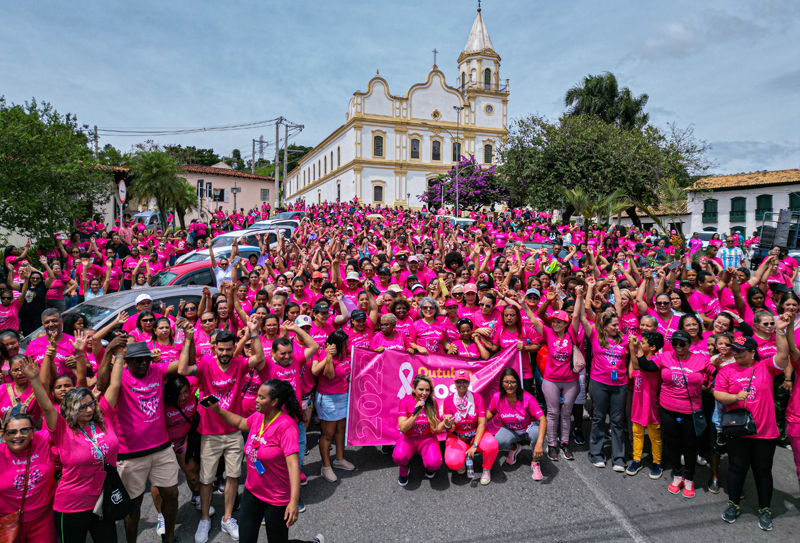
458	109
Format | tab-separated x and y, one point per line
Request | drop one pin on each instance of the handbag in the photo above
577	361
698	416
11	524
739	422
116	500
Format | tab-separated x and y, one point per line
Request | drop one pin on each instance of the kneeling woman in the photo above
272	488
465	422
419	423
522	419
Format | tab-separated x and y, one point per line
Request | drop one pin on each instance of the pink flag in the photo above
378	381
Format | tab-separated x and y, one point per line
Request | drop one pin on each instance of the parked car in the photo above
100	311
297	215
270	224
189	273
150	219
219	252
459	221
250	236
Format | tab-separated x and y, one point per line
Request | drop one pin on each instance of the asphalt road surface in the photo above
575	502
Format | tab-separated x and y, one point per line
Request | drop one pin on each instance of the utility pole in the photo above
252	165
285	155
276	172
96	144
261	147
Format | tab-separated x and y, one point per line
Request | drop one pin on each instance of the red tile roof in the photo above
744	180
194	168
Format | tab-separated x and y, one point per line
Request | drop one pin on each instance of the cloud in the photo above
759	154
789	81
679	39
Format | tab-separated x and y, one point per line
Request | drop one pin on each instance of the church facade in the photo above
391	146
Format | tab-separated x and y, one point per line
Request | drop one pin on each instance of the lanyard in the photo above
264	429
93	440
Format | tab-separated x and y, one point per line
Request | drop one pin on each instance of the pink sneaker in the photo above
537	471
677	484
511	459
303	479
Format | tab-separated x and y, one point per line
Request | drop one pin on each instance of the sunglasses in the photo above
6	297
316	280
21	431
767	324
148	320
532	297
87	406
680	344
203	321
462	382
190	308
428	307
662	303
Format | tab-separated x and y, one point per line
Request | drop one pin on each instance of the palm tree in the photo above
186	202
600	95
589	206
155	177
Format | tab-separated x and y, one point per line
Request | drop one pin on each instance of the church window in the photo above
463	80
313	171
377	194
339	191
331	160
487	79
436	151
415	148
377	146
487	154
325	163
338	157
456	151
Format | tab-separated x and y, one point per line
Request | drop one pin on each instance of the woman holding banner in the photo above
522	419
465	422
418	420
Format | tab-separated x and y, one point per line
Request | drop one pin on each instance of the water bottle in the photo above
470	468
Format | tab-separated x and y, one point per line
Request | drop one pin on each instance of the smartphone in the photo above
674	265
209	400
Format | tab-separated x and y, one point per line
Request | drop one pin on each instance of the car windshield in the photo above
223	241
196	258
285	215
162	278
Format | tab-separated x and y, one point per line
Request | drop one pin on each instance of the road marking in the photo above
612	508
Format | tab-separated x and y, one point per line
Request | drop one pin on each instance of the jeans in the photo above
73	527
558	413
750	452
506	438
301	428
608	399
253	510
677	432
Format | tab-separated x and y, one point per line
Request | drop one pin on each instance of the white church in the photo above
390	146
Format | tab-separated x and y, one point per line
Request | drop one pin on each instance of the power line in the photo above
178	131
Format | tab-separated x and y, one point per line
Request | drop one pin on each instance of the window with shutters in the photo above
436	150
738	209
377	194
338	157
487	79
377	146
794	201
763	205
456	151
710	210
265	195
487	154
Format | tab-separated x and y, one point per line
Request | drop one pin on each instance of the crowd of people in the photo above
640	333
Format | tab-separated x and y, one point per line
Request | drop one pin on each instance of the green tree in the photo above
583	151
295	152
591	207
192	155
185	202
156	177
600	96
110	156
236	161
48	177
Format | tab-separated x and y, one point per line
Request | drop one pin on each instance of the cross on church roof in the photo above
479	5
435	52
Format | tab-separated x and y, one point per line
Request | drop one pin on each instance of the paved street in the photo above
575	502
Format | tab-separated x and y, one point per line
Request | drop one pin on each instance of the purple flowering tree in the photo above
478	186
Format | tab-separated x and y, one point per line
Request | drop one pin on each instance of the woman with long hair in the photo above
419	424
272	488
522	419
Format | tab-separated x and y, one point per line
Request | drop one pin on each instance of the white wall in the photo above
780	200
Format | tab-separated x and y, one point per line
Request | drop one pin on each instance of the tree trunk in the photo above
568	212
181	219
634	217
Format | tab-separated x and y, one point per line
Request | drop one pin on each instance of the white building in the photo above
391	146
737	203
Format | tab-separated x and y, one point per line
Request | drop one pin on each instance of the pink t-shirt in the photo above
226	386
279	440
27	398
505	339
398	343
665	327
558	367
64	349
421	427
674	394
766	347
250	385
707	304
629	323
140	415
607	360
202	343
519	416
428	336
169	352
80	460
645	405
57	287
469	350
9	315
466	414
734	378
493	320
290	373
341	377
41	479
320	335
468	312
357	339
177	426
404	326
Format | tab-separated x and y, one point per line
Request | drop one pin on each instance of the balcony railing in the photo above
709	216
738	216
760	213
481	86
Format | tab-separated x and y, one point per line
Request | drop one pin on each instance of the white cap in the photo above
353	276
143	298
303	320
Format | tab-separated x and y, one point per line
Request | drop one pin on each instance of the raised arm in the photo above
31	370
231	419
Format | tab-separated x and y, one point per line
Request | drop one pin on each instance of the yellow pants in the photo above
654	431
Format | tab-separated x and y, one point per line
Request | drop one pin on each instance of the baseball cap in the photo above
353	276
303	320
316	275
560	315
321	307
413	258
451	302
416	288
470	287
778	287
534	292
358	314
395	288
743	343
461	374
680	335
482	286
687	284
143	298
402	256
384	271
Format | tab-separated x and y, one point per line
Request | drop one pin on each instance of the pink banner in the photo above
380	380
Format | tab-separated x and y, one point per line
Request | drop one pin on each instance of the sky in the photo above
729	69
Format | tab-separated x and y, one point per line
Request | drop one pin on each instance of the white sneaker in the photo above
201	535
211	509
702	461
161	528
511	459
230	527
319	539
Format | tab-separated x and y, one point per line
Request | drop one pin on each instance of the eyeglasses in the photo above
768	324
428	307
6	297
203	321
87	406
15	370
509	383
316	280
532	297
680	344
148	320
21	431
662	303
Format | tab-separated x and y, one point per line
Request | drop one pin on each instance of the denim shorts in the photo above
331	407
